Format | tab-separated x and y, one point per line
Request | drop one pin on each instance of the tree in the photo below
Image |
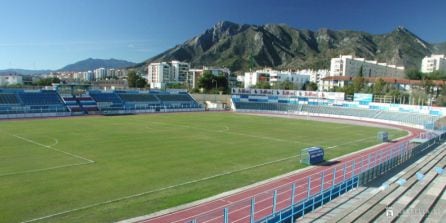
427	85
378	87
135	81
414	74
311	86
263	85
286	85
132	78
48	81
436	75
360	73
358	84
141	82
210	82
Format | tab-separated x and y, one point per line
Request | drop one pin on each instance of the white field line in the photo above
43	169
236	133
52	148
157	190
351	142
56	141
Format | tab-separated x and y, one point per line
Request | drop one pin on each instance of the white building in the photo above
100	74
433	63
159	74
111	72
88	75
316	76
179	71
78	76
10	80
274	77
162	73
348	66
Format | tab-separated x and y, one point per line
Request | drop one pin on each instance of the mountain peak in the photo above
241	46
224	24
94	63
402	29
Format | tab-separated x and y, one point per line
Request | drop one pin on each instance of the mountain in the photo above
91	64
440	48
240	47
24	72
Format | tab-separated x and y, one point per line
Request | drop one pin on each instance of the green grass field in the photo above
102	169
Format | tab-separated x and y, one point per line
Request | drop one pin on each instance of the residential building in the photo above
433	63
193	77
349	66
179	71
88	75
274	77
100	74
78	76
111	72
159	74
10	80
316	76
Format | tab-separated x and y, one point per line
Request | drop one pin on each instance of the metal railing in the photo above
298	197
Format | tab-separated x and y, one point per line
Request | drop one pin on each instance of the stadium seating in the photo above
28	102
40	98
87	103
13	101
332	110
414	118
138	98
123	102
268	106
71	103
175	97
7	99
402	117
408	193
109	97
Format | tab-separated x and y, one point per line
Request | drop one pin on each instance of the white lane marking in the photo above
157	190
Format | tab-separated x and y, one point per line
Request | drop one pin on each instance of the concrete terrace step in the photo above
357	210
438	213
410	192
419	209
348	202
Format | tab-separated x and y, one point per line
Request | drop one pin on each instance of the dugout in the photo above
312	155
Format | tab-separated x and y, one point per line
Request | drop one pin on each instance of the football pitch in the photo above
103	169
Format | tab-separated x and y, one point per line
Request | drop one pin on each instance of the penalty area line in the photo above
52	148
43	169
158	190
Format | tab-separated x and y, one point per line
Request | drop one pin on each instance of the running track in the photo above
239	203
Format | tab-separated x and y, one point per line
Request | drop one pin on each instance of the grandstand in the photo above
127	102
291	104
20	103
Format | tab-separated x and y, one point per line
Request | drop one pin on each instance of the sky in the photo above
49	34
